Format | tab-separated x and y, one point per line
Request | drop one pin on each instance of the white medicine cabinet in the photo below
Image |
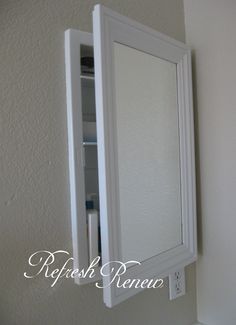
131	151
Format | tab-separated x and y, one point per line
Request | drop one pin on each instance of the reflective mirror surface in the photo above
148	153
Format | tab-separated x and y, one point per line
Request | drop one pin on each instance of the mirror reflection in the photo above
148	153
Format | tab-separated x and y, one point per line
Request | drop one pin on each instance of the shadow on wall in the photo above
197	156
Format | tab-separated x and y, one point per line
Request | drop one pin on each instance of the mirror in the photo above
148	153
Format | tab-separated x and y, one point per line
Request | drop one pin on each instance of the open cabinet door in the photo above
145	153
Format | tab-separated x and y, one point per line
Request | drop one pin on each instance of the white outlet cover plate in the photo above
177	284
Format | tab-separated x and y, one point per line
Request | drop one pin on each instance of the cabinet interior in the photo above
89	133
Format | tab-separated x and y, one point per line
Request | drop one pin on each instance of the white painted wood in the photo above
110	27
73	41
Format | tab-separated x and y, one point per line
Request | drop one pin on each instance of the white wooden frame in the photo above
110	27
73	41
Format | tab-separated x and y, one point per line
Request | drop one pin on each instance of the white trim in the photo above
108	28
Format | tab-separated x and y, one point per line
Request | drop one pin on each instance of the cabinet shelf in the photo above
89	143
87	76
87	80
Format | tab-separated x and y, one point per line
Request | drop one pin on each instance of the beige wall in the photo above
34	204
211	31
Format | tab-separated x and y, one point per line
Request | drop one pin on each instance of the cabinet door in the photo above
145	153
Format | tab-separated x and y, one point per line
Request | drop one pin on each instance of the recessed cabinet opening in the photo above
90	151
83	162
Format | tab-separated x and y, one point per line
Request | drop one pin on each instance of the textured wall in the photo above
34	204
210	29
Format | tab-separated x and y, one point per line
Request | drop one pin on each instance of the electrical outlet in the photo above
177	284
